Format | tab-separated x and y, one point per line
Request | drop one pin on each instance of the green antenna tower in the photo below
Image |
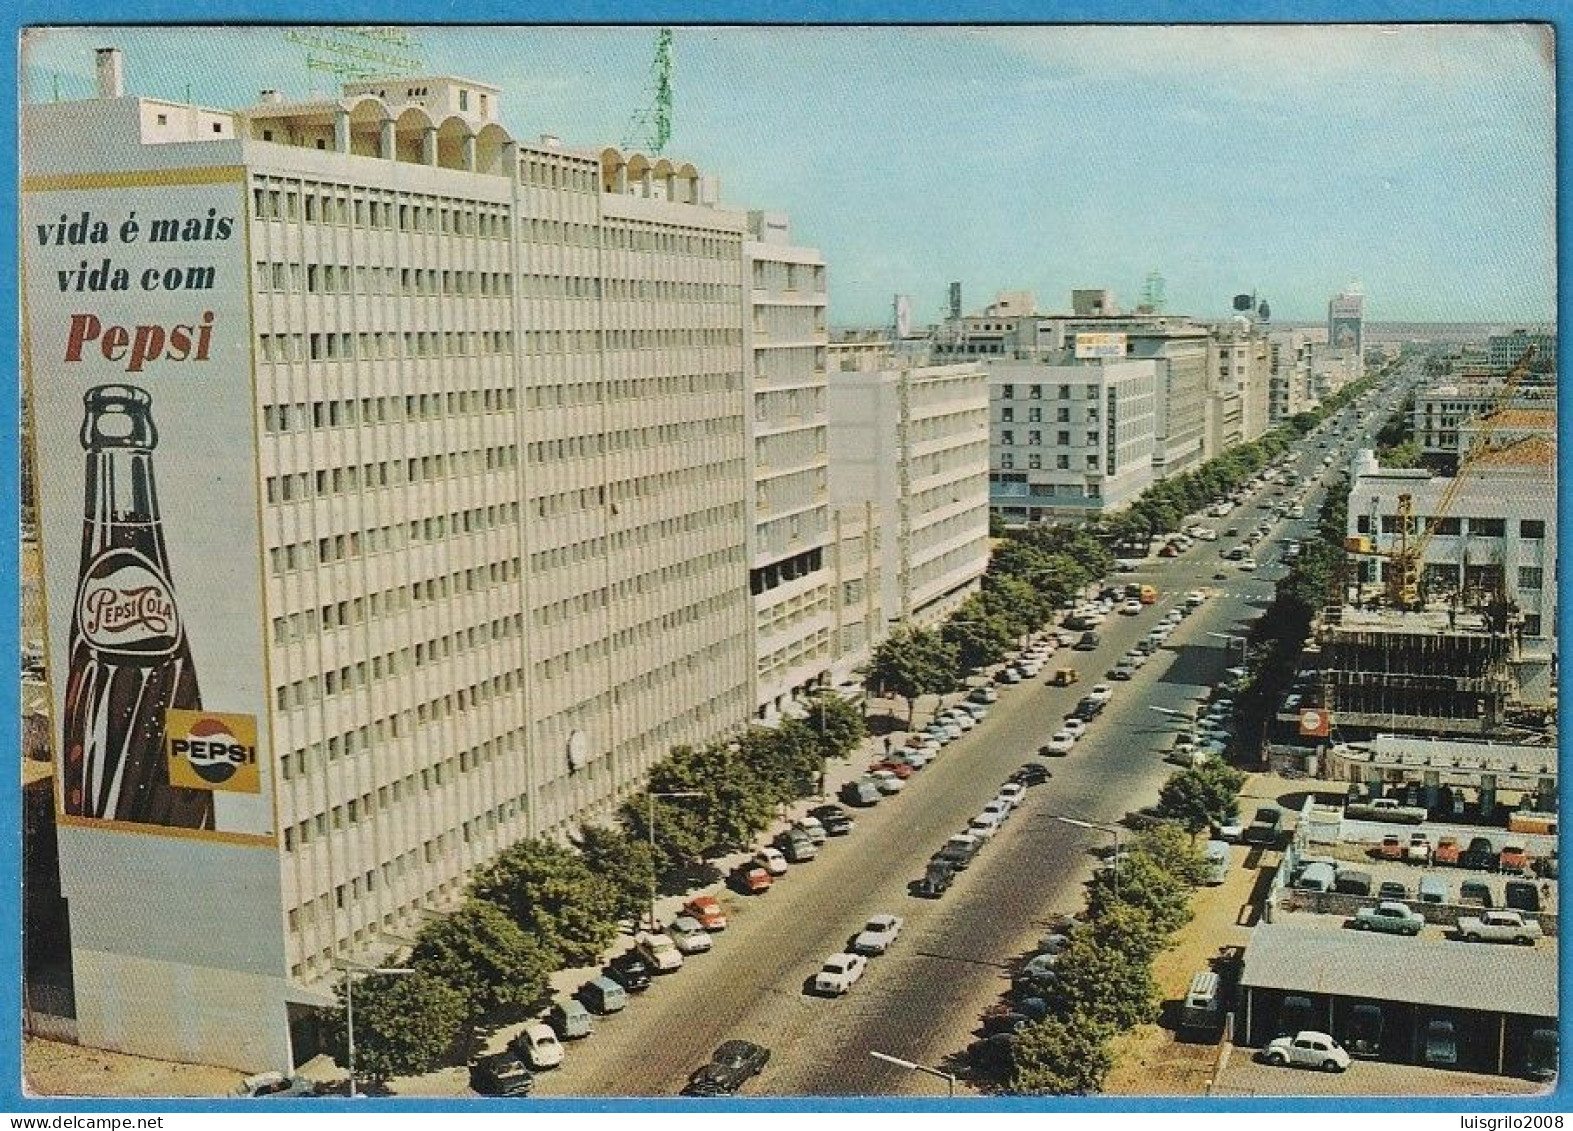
359	52
651	127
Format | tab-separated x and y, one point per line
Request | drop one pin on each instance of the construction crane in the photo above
651	127
1403	575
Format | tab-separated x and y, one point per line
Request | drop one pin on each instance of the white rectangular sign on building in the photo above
1105	346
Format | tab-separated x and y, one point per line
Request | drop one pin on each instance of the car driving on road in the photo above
877	935
732	1066
839	973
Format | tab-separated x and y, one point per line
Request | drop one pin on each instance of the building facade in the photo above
1069	442
913	441
790	570
481	478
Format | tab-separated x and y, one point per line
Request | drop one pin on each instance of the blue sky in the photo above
1417	159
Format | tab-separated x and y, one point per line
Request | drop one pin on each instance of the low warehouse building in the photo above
1494	998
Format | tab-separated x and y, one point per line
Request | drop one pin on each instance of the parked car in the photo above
1521	895
537	1046
959	850
731	1066
1088	641
797	846
689	936
1013	793
984	695
1075	726
1513	858
751	879
1441	1044
265	1084
1031	774
811	825
1499	926
1390	918
877	935
887	781
503	1075
570	1020
839	973
834	819
1307	1049
984	826
1058	745
1100	692
900	768
771	860
1393	889
604	994
1475	893
1446	851
707	910
936	880
1481	854
630	971
1419	849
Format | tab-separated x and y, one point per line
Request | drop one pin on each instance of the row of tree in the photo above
1104	981
542	905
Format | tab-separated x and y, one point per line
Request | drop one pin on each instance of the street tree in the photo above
1061	1056
838	725
1201	796
554	896
913	662
1169	848
1139	882
980	637
484	955
1103	984
404	1025
622	861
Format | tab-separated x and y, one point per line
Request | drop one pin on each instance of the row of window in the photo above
330	279
1035	462
585	498
1061	415
299	417
300	693
1035	438
575	176
308	624
389	473
721	653
650	581
1530	529
359	207
638	236
626	439
1035	392
380	346
373	540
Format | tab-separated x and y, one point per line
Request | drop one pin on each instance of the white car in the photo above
660	952
978	711
1101	692
1009	675
886	781
1195	598
771	860
1060	742
999	810
961	720
538	1046
877	934
1074	727
913	757
689	936
1207	533
1174	616
815	830
1029	668
1247	565
984	695
984	826
1131	608
839	973
1307	1049
1013	793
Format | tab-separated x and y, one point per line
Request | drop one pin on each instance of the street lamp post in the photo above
650	797
1113	830
950	1081
351	970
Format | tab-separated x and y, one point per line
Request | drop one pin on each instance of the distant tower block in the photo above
955	301
1152	293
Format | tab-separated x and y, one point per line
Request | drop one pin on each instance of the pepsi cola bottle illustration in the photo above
130	660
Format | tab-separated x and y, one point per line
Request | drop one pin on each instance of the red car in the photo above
1513	858
900	769
752	879
1391	848
707	910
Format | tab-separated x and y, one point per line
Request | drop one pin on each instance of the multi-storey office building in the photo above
913	440
452	444
1289	357
1069	441
1504	351
1444	414
790	572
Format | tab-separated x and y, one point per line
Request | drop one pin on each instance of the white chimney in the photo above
111	72
271	96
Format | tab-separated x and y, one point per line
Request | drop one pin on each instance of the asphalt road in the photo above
922	1001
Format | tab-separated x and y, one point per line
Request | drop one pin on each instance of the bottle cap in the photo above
118	416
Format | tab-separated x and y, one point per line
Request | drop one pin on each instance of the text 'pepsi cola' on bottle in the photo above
130	660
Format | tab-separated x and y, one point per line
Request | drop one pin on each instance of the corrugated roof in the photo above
1529	451
1436	972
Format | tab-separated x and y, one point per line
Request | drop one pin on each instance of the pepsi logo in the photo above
214	753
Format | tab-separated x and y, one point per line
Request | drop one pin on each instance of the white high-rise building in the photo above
791	574
913	441
1070	441
454	463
